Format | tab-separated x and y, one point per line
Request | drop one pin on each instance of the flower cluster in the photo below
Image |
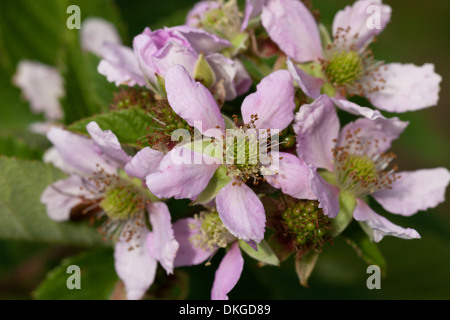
271	170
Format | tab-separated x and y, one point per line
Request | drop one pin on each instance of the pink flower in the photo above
105	181
197	244
154	52
42	86
346	66
270	107
357	158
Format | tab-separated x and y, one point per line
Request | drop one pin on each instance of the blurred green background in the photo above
417	269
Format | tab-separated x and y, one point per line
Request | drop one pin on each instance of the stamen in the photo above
351	70
247	150
212	233
360	168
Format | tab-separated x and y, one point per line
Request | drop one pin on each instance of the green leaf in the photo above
14	147
217	182
347	204
87	91
364	246
128	125
304	265
31	30
37	30
22	215
97	278
264	253
15	113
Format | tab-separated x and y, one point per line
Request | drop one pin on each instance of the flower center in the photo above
350	69
344	67
226	22
212	233
132	97
164	121
360	168
247	151
305	223
123	202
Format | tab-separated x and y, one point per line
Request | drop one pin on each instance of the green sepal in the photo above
264	253
217	182
304	265
203	72
364	246
347	204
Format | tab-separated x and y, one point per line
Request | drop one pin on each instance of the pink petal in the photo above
293	177
42	86
201	40
63	195
381	226
317	126
95	32
327	194
188	253
119	65
241	211
273	102
145	47
236	79
253	8
310	85
197	13
52	156
192	101
79	152
161	241
293	28
171	54
380	133
180	175
415	191
407	88
242	81
228	273
134	265
357	110
359	17
145	162
107	142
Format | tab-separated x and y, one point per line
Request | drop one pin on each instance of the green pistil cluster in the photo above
242	156
287	138
172	121
212	232
305	223
226	22
246	154
128	98
358	168
344	67
123	202
215	20
164	121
